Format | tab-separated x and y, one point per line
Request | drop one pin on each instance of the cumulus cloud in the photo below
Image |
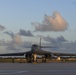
51	23
11	34
55	41
63	45
25	33
12	47
15	37
2	28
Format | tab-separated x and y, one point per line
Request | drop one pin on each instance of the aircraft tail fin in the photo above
40	42
46	46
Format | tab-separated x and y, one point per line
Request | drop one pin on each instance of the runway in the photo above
38	69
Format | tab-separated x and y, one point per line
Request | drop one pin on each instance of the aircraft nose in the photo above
34	51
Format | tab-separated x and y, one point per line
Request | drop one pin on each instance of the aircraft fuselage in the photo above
36	50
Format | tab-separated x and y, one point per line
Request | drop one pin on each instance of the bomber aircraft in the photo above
31	55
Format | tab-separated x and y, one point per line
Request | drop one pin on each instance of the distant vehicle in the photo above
31	55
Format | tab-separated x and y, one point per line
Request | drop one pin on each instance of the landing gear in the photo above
29	58
34	57
43	58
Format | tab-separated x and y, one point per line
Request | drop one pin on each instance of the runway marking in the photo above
11	71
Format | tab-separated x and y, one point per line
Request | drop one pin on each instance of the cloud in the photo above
25	33
61	39
51	23
55	41
15	46
74	30
63	45
12	47
2	28
11	34
15	37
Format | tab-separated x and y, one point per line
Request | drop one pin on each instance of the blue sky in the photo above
17	16
23	12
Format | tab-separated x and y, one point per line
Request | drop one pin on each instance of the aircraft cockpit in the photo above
35	47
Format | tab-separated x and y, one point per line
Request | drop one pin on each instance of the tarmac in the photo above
38	68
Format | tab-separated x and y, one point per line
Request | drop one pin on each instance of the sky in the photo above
25	21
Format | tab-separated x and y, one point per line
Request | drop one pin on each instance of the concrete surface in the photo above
37	68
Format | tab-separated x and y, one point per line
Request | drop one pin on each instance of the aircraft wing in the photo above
15	54
48	47
63	54
40	52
